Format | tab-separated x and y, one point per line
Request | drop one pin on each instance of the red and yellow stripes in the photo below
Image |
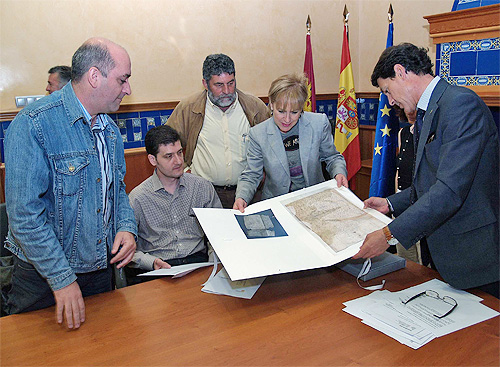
346	126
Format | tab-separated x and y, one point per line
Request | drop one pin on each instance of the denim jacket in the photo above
53	192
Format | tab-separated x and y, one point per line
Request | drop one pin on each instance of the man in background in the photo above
69	214
59	76
214	126
452	203
168	232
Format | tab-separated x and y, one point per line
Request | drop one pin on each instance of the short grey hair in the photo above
91	54
63	71
216	64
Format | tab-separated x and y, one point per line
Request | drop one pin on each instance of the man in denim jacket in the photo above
69	214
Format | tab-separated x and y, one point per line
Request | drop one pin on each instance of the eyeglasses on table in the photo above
433	294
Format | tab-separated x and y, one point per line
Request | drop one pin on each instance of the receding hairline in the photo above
102	41
112	47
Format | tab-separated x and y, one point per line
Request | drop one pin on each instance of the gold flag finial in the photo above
308	25
390	13
346	14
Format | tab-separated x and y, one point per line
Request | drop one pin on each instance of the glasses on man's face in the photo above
435	295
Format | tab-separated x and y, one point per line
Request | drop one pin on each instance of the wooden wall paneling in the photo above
366	144
468	24
366	141
363	178
464	25
138	167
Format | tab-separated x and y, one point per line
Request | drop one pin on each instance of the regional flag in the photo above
346	126
382	181
310	104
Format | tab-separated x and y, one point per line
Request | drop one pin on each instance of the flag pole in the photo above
310	104
346	21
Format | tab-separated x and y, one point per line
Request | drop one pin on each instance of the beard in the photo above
224	100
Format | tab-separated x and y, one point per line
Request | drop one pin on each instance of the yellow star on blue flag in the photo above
386	110
385	131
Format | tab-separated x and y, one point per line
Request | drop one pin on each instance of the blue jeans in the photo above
30	291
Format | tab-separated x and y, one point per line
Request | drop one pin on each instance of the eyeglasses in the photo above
434	294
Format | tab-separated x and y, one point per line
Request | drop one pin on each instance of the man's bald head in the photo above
97	52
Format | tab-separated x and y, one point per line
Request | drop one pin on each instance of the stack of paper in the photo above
221	284
414	324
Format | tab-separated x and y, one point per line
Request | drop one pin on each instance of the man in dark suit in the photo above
453	202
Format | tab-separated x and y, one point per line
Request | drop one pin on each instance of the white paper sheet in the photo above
177	271
301	250
222	284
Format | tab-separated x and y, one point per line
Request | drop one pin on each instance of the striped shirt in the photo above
100	122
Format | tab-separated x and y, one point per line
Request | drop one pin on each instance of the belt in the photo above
226	188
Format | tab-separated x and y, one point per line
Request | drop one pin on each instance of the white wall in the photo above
169	39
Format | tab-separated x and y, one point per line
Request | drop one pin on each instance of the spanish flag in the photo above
310	104
346	126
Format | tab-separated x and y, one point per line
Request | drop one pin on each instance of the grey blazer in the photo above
456	182
267	153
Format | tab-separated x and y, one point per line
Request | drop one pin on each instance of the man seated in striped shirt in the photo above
168	232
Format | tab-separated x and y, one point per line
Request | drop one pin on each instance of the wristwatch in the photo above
389	237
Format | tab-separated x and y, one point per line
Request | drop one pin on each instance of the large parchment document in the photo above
323	225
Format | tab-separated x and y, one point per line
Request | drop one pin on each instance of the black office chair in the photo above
4	228
6	264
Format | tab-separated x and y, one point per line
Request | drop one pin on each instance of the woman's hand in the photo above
240	204
341	180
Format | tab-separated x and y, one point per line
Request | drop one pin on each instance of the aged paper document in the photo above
336	220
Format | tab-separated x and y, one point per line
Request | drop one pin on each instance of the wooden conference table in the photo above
293	319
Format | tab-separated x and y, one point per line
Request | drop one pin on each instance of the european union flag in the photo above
386	140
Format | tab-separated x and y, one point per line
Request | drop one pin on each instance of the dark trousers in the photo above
227	195
426	254
132	273
30	291
490	288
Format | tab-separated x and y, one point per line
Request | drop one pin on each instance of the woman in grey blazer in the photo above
289	146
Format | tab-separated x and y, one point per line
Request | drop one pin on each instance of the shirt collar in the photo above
100	122
157	185
423	102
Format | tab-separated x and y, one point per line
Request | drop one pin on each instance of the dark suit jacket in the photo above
456	182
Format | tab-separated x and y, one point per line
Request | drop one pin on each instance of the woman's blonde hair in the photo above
289	89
